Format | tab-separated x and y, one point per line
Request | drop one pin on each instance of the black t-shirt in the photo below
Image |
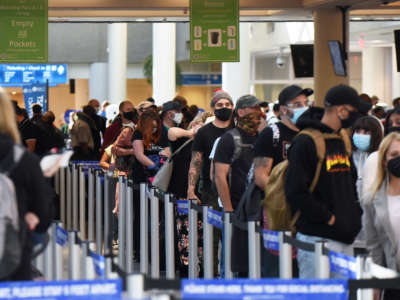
30	131
179	178
163	141
275	147
240	167
139	171
203	142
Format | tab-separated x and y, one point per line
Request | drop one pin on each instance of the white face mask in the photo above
130	124
178	118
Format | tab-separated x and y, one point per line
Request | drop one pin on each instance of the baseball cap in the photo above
343	94
292	91
247	101
171	105
218	95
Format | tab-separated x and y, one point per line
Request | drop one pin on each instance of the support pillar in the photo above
164	60
98	82
328	24
117	41
377	72
236	76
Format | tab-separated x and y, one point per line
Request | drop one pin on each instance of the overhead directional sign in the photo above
214	31
23	31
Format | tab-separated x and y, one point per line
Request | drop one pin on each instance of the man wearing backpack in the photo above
320	189
271	148
233	159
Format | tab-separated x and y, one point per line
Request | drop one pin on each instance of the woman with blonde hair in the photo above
381	218
32	192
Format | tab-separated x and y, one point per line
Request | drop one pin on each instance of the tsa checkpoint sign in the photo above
265	289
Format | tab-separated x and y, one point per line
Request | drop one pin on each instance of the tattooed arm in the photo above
194	173
262	169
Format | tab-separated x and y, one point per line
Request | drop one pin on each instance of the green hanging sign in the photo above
214	31
23	31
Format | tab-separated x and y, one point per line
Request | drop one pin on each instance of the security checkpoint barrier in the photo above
89	262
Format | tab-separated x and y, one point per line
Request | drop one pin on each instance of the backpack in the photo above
250	204
10	239
276	208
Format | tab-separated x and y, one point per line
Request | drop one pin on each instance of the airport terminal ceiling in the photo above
177	10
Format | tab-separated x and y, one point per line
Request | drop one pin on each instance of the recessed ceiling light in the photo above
140	20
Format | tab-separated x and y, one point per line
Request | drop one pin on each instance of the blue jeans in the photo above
306	260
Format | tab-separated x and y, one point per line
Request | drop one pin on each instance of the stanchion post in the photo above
207	245
251	232
99	214
91	185
75	211
321	262
144	258
193	258
48	257
227	244
129	227
169	237
82	203
68	193
155	235
56	253
135	286
121	221
62	196
73	256
107	214
285	258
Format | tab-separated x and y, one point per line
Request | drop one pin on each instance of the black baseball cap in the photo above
343	94
171	105
292	91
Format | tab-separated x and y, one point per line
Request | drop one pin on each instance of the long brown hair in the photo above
145	126
382	169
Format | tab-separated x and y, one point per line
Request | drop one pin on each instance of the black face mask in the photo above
349	122
394	166
223	114
130	115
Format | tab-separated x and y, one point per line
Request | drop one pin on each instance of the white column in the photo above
236	76
98	85
164	59
377	72
117	41
395	77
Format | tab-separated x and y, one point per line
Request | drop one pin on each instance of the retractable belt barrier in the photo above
86	230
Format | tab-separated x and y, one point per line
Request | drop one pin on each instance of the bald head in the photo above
95	104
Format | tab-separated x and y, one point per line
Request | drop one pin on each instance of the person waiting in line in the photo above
144	106
271	149
32	192
275	116
222	108
171	116
392	121
381	218
332	210
232	164
31	135
98	119
178	188
54	136
148	150
36	114
396	102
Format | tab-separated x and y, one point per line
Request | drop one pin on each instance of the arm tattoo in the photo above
261	162
194	170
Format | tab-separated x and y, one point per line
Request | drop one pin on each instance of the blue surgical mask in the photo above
362	141
297	112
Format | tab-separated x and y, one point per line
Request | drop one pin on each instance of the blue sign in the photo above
331	289
35	94
98	262
183	206
271	240
61	236
18	75
342	265
57	290
202	79
215	218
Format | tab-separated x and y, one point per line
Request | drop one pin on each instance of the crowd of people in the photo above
341	164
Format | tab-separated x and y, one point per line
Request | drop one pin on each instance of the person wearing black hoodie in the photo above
332	211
